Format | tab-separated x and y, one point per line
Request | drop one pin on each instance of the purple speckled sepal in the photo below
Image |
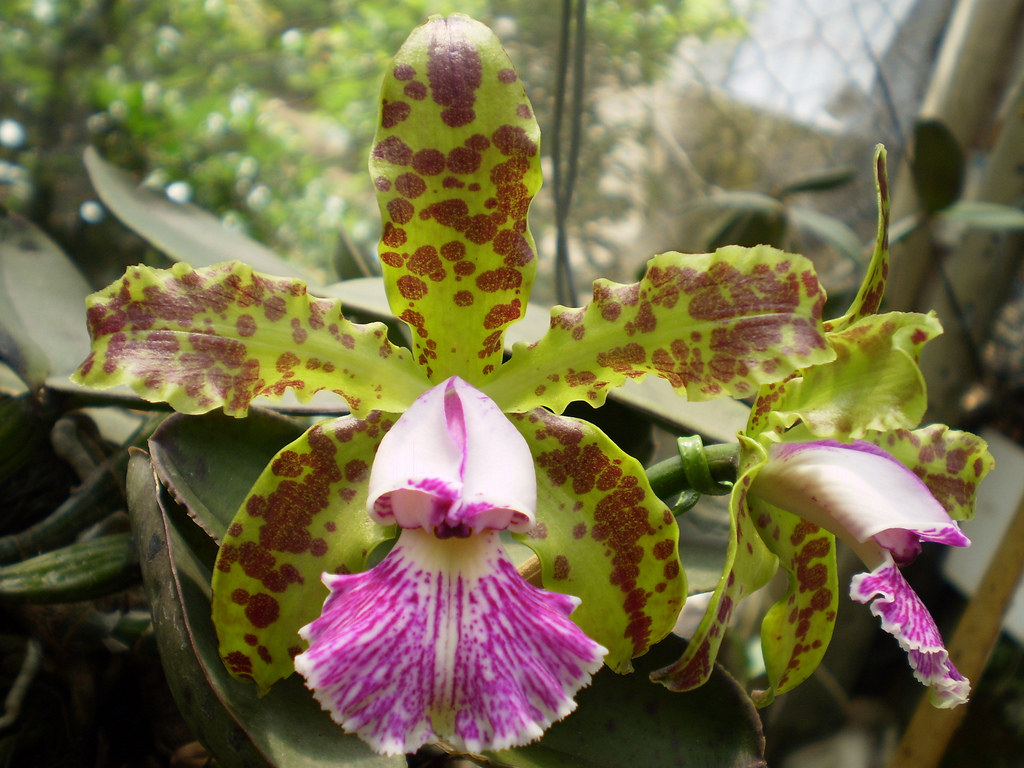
445	640
905	617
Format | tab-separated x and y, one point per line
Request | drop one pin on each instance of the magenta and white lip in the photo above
444	639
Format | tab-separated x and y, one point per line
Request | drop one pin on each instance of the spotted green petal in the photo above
869	297
223	335
749	565
603	536
456	164
797	629
710	324
306	515
951	463
875	381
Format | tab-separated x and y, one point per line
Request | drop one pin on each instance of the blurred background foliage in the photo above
260	111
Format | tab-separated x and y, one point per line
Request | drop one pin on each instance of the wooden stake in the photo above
931	729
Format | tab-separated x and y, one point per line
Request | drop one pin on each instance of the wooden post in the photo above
930	730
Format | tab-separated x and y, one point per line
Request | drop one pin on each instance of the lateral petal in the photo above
445	640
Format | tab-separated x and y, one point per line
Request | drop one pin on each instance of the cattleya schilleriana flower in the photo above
832	452
446	442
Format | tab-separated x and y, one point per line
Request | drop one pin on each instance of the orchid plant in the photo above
832	452
450	449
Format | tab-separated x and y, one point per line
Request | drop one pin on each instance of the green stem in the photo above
669	477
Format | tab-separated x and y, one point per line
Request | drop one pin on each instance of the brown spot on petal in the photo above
401	211
393	150
410	185
561	569
463	160
455	72
415	90
246	326
453	250
262	610
428	162
411	288
512	140
393	112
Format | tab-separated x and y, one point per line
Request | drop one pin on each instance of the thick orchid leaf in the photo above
305	516
182	231
284	729
796	631
710	324
220	336
869	297
603	536
456	163
749	565
623	720
951	463
874	383
42	328
210	462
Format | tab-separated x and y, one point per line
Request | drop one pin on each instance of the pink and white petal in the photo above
455	459
417	473
445	640
857	491
499	474
907	619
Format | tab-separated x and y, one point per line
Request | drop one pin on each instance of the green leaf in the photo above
976	213
951	463
350	263
874	383
284	729
824	180
624	720
828	229
872	287
748	202
42	296
603	536
749	565
210	462
937	167
84	571
222	335
456	163
181	230
709	324
750	218
305	516
797	629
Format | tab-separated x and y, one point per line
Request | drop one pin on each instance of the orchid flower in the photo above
448	443
883	511
832	452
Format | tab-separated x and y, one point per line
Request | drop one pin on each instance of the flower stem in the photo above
705	469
